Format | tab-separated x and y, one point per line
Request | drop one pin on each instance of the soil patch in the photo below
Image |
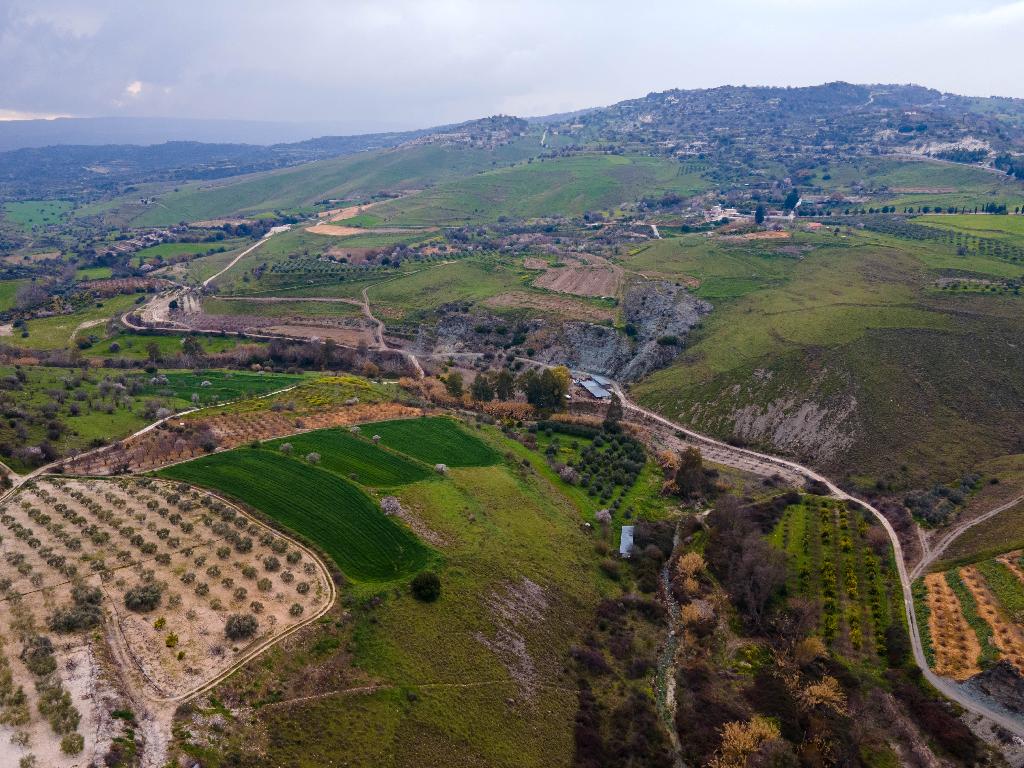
1007	636
581	281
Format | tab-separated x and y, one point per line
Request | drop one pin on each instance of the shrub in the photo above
240	626
38	655
295	610
264	585
426	586
72	744
143	597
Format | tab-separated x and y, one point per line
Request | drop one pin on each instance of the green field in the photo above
93	273
566	186
999	227
135	346
910	183
354	457
329	511
37	213
1006	587
166	251
434	440
9	293
222	386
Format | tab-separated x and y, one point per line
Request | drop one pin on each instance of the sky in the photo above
398	64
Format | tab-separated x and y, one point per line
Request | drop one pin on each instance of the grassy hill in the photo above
354	177
843	350
566	186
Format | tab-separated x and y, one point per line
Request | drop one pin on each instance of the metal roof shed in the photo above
626	541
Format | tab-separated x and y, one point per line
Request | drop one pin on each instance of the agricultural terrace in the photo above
974	615
354	456
838	556
186	584
329	511
434	440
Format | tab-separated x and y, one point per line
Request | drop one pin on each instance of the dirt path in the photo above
945	686
273	231
87	324
933	552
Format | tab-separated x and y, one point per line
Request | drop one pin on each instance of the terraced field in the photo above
355	457
434	440
329	511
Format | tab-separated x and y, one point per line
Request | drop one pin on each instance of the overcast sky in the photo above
414	63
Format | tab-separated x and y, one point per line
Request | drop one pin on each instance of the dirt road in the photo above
933	553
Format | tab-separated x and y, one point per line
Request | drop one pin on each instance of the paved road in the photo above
943	685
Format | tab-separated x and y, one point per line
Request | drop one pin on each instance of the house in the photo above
601	380
626	541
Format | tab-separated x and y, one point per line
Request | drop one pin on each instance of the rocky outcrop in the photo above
1003	683
659	316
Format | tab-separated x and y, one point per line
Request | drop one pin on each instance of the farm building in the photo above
596	390
626	541
602	380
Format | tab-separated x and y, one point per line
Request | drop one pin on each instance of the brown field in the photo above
207	559
1007	636
559	305
180	440
955	644
581	281
350	337
765	235
21	258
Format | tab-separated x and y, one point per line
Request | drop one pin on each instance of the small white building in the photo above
626	541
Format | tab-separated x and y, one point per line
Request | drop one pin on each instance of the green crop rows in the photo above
329	511
435	441
355	457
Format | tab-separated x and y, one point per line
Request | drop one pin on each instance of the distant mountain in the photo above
19	134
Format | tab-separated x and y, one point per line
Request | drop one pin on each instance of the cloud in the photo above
1000	16
411	63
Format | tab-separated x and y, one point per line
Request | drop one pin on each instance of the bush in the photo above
240	626
38	655
143	598
72	744
426	586
84	613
